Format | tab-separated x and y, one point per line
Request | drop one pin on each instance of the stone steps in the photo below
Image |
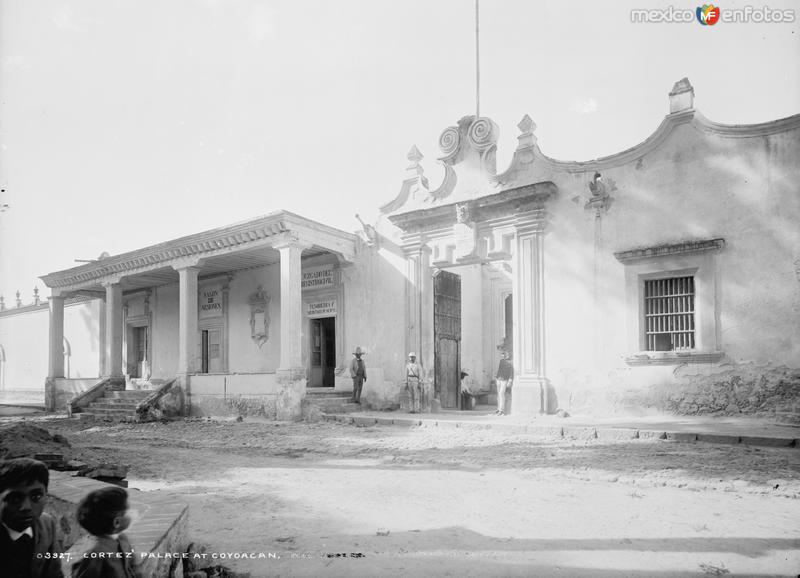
332	402
116	405
138	394
112	406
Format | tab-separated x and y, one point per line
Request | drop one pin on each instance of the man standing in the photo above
505	375
358	371
413	374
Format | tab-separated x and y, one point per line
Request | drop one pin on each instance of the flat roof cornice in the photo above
262	231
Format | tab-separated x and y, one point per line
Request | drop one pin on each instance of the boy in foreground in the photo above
104	514
29	543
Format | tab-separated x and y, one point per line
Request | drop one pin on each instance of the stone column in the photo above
291	374
113	336
531	389
56	336
101	339
56	349
187	321
419	317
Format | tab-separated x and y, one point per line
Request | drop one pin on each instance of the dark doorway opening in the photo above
211	351
323	351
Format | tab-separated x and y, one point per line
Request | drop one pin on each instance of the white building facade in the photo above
665	278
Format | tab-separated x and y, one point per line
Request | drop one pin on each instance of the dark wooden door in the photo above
447	338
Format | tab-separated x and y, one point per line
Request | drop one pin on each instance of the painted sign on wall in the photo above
318	277
210	302
325	308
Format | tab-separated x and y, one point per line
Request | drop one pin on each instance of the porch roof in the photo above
239	246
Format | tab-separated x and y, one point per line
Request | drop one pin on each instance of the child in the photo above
104	514
29	542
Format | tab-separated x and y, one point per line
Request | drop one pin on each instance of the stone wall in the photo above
236	405
730	389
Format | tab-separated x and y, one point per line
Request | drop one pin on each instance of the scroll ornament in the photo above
259	315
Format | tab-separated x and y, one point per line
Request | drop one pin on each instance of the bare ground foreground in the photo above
328	499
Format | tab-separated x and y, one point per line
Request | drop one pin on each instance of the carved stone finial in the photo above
414	155
414	167
35	295
682	96
526	124
19	299
415	170
2	303
527	127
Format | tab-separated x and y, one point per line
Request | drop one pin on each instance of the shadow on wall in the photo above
753	208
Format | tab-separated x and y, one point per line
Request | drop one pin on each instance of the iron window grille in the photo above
669	314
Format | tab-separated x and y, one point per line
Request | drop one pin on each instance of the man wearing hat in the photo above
413	375
358	371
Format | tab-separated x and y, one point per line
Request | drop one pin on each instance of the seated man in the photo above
468	400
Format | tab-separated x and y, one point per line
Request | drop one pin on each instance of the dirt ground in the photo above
327	499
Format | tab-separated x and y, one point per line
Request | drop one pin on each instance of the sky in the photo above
125	123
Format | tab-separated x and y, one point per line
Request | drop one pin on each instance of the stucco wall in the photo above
694	186
244	354
164	331
24	338
375	294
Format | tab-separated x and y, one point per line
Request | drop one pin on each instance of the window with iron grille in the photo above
669	314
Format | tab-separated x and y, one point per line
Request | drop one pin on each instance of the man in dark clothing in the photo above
504	377
358	371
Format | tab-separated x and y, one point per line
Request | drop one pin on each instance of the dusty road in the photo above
338	500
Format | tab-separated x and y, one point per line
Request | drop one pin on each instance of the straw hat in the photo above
358	351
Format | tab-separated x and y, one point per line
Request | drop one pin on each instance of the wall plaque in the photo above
318	277
210	302
325	308
259	315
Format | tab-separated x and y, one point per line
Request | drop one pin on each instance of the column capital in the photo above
58	294
187	263
290	240
112	281
416	247
531	226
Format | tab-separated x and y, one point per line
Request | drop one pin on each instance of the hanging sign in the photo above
210	302
325	308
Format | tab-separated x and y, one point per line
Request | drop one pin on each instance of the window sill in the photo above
673	357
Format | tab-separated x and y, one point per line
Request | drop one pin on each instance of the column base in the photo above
50	394
291	392
531	395
183	382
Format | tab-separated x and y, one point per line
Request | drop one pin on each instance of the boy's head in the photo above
104	511
23	492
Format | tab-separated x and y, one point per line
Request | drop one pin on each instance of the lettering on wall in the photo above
325	308
318	277
210	302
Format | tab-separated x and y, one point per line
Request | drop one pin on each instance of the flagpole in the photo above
477	65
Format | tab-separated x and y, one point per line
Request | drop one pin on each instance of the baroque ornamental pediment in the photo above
469	162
